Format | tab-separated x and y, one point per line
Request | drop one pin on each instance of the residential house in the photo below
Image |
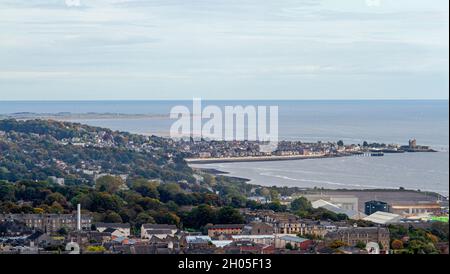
160	231
115	229
258	228
281	241
215	231
50	223
248	247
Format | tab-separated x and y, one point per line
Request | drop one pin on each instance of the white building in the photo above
257	239
161	231
383	218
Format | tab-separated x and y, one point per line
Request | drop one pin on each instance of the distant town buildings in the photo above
148	231
416	209
354	235
115	229
228	229
49	223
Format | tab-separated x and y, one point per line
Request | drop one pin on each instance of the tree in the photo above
277	207
229	215
360	245
146	188
143	218
274	195
55	197
38	210
340	143
172	206
97	249
337	244
167	218
63	231
289	246
265	192
149	204
434	239
200	216
6	191
56	208
209	180
301	204
397	244
112	217
110	184
168	191
100	202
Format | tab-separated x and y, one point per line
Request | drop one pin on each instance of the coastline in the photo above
398	194
63	116
257	159
289	157
251	179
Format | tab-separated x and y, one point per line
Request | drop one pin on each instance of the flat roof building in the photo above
373	206
383	218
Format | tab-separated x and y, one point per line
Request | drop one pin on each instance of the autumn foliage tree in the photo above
397	244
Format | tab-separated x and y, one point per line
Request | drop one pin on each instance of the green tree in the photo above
112	217
6	191
110	184
301	204
229	215
55	197
144	218
200	216
63	231
146	188
56	208
360	245
167	218
96	249
209	180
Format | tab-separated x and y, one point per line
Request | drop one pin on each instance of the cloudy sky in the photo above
223	49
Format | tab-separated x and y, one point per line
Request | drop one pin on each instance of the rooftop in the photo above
159	226
226	226
381	217
291	238
112	225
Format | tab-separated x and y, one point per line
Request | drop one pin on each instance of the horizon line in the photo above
218	99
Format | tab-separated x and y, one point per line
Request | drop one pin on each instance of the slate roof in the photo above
112	225
159	226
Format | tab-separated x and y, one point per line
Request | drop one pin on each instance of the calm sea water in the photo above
350	121
424	171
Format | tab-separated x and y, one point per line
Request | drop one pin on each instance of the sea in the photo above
353	121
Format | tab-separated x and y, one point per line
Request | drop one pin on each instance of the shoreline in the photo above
257	159
323	190
272	158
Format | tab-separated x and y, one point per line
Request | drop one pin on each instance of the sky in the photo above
223	49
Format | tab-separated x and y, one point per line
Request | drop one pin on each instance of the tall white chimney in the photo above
79	217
